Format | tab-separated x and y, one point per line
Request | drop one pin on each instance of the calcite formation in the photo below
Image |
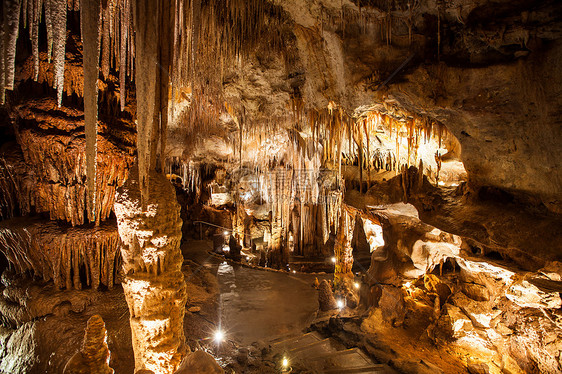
93	357
478	307
72	257
52	143
343	252
154	285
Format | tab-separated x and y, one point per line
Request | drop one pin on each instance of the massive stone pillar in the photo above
154	286
343	251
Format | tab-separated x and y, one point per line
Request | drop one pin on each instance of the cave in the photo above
280	186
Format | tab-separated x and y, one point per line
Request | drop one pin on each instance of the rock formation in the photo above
93	357
297	126
326	300
72	257
154	286
473	306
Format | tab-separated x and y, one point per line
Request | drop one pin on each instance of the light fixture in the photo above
294	271
219	336
357	285
340	304
226	233
334	260
285	363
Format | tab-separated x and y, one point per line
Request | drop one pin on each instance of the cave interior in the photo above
275	186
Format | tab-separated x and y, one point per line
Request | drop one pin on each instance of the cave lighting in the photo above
356	285
340	304
226	233
219	336
334	260
285	363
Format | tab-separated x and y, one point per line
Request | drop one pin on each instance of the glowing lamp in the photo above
219	337
226	233
334	260
340	304
356	285
285	363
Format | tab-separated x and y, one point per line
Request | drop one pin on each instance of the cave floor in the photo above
258	305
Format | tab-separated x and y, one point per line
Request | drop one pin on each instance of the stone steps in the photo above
324	355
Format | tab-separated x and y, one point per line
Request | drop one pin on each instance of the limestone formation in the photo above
93	357
199	362
326	300
53	155
154	285
418	138
72	257
471	305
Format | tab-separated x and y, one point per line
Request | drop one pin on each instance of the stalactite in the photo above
90	19
146	56
2	58
11	15
105	47
49	26
124	9
37	246
34	35
58	12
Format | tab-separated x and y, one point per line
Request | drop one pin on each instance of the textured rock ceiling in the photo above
487	70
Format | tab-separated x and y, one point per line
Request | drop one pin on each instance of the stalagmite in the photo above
90	18
58	13
93	357
154	286
343	250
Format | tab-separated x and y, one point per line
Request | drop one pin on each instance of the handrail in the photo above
212	224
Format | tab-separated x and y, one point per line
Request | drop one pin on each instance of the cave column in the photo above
343	250
154	286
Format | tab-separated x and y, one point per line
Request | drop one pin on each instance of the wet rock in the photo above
326	300
93	357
